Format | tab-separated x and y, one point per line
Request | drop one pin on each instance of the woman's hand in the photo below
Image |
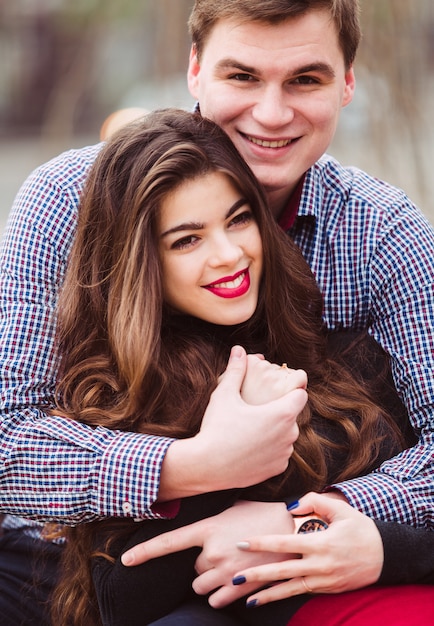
218	536
265	381
346	556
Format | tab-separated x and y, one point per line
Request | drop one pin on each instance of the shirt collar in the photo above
287	218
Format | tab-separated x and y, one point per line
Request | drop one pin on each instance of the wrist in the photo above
335	494
180	476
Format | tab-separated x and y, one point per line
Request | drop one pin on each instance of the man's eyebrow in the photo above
322	68
200	225
230	63
319	66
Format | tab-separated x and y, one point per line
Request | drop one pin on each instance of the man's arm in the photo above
401	273
52	467
372	253
56	468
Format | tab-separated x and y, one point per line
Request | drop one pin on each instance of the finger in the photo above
298	378
293	545
295	398
280	591
272	572
258	355
166	543
281	544
322	505
207	582
227	594
232	378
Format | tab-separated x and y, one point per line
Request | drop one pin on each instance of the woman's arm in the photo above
349	555
143	594
408	554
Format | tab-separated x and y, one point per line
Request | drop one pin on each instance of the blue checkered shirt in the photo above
373	255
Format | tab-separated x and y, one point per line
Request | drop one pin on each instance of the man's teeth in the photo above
269	144
232	284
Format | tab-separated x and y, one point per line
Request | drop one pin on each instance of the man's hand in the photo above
238	444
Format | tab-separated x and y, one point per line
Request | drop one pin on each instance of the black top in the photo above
140	595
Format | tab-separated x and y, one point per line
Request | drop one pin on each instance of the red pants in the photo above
406	605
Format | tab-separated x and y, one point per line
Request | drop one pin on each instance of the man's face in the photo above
277	90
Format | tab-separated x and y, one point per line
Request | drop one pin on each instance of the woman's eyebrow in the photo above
183	226
201	225
236	205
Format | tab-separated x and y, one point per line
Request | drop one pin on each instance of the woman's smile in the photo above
231	287
210	250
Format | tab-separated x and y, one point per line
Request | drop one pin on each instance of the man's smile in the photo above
269	143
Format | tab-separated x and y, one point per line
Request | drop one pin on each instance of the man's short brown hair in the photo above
345	14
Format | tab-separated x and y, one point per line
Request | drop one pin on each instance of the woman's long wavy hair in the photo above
129	363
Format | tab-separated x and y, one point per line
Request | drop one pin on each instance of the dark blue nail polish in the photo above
251	603
290	506
238	580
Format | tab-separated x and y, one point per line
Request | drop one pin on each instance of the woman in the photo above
176	259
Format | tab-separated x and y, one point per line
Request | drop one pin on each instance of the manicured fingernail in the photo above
290	506
243	545
239	580
251	603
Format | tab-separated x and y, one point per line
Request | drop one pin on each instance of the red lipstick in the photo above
224	289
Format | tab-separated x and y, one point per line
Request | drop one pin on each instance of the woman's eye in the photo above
242	218
184	242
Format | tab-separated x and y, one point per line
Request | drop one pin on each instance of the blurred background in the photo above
67	64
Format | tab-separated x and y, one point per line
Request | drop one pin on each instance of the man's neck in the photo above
278	202
285	211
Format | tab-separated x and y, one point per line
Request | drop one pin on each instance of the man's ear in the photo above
350	86
193	73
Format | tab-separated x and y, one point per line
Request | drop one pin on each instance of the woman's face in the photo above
210	250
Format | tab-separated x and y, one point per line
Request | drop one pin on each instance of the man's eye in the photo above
243	78
306	80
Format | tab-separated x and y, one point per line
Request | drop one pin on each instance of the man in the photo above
275	77
275	80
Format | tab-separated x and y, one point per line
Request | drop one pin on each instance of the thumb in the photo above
232	378
328	508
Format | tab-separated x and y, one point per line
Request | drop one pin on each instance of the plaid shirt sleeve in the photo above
372	252
401	274
52	467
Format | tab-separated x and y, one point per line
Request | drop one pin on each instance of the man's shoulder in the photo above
70	167
49	197
348	199
354	185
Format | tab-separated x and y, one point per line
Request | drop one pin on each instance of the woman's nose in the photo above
225	251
